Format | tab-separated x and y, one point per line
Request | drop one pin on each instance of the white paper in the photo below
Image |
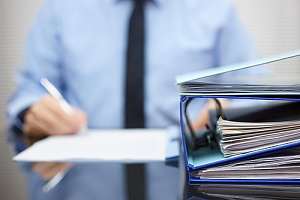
284	166
129	146
243	137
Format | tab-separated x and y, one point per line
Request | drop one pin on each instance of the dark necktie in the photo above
134	96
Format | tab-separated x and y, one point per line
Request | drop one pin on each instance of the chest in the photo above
95	40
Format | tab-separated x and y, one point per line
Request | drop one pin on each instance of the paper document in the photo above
243	137
138	145
284	165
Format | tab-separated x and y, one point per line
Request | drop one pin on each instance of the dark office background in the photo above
274	25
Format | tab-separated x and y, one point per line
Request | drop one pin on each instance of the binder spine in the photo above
183	139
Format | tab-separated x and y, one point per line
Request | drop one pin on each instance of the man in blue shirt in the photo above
80	47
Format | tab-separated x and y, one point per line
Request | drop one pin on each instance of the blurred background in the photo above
273	24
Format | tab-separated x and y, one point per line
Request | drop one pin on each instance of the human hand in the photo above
46	117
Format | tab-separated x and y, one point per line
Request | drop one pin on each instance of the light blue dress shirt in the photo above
80	46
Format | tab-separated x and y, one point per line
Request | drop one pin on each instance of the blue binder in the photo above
206	157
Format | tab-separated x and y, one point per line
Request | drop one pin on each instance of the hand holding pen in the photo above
49	116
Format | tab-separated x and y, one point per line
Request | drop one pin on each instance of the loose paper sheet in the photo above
129	146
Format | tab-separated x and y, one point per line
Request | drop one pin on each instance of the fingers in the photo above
47	117
49	170
51	122
33	126
73	121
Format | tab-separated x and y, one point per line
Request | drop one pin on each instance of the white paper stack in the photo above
244	137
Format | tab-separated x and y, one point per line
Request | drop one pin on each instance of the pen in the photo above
51	89
54	181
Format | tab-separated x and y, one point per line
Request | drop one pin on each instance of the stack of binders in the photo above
250	146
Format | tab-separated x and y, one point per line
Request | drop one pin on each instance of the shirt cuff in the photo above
16	132
16	112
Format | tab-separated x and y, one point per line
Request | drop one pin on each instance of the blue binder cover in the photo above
208	157
205	158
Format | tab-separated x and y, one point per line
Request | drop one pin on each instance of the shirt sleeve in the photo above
42	59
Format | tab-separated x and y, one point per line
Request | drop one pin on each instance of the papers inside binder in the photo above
242	137
251	127
275	166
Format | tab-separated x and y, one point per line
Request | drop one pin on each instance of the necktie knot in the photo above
139	2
